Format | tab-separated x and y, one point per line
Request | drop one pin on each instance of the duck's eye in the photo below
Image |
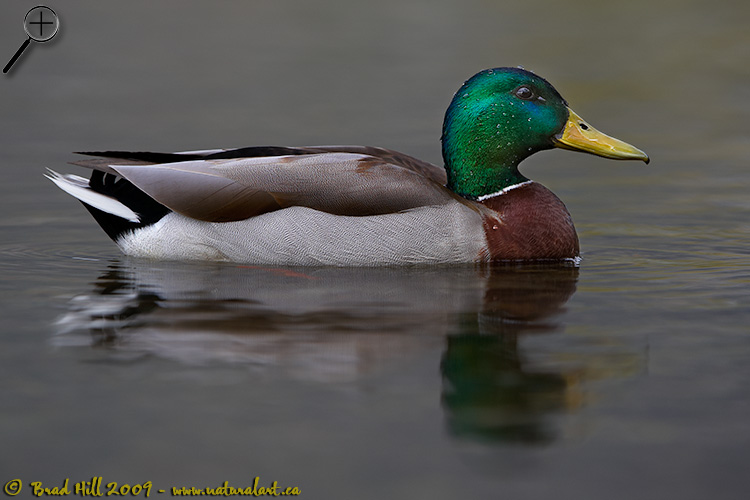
525	93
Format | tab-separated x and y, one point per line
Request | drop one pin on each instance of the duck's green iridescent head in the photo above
500	117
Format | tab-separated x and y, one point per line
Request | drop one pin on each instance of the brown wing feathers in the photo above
234	185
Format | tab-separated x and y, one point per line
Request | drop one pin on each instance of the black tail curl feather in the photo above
149	210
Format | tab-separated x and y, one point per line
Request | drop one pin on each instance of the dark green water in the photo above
624	378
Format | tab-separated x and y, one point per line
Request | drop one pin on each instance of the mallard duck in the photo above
357	205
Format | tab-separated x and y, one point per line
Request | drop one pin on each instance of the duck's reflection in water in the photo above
326	324
490	391
343	325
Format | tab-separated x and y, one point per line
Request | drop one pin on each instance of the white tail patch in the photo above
78	187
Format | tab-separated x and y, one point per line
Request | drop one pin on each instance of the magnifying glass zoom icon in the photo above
41	25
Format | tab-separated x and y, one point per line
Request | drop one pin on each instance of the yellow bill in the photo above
580	136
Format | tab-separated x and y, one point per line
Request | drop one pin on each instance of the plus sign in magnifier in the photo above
41	25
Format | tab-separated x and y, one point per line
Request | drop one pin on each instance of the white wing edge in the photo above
204	152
